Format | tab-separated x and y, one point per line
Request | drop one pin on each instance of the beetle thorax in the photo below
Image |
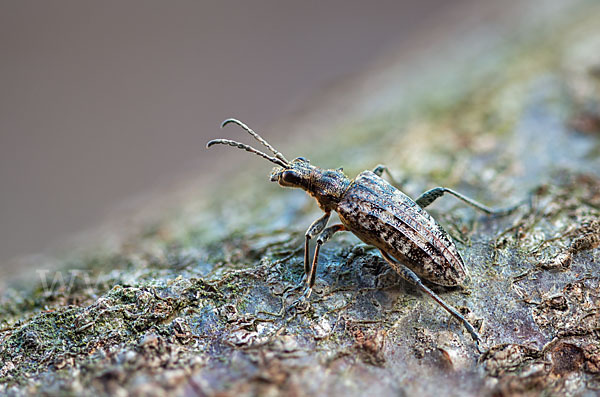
328	187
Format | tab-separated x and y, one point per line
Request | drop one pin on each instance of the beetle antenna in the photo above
247	148
257	137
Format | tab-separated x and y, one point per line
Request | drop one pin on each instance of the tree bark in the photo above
196	303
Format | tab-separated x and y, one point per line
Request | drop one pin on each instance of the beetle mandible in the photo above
379	214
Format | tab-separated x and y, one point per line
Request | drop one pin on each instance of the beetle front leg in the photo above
411	277
431	195
323	238
315	228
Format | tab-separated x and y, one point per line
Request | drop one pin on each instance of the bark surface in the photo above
194	304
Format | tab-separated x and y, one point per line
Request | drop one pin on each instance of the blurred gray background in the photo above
103	101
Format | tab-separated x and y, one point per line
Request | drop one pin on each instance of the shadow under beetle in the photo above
409	239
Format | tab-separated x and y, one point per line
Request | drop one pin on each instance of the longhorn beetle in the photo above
409	239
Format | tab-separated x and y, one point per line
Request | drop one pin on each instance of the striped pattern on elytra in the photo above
383	216
379	214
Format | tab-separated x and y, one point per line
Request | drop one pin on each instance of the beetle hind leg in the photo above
411	277
431	195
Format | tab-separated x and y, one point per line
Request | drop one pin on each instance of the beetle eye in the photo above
290	177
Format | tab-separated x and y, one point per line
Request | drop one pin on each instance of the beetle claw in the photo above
303	297
479	344
480	349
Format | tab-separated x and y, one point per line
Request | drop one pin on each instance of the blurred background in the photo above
105	102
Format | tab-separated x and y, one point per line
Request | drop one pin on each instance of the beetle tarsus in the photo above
478	345
304	297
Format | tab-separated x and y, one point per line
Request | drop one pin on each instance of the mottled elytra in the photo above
379	214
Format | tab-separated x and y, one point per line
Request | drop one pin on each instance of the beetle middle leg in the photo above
411	277
380	169
431	195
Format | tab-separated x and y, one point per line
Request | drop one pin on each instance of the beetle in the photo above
408	238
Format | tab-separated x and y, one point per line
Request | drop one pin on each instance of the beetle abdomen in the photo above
383	216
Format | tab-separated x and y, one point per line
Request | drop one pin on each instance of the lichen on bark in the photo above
195	303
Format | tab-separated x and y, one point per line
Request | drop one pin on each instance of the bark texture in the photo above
194	304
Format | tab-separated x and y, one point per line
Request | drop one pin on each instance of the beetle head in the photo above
296	174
